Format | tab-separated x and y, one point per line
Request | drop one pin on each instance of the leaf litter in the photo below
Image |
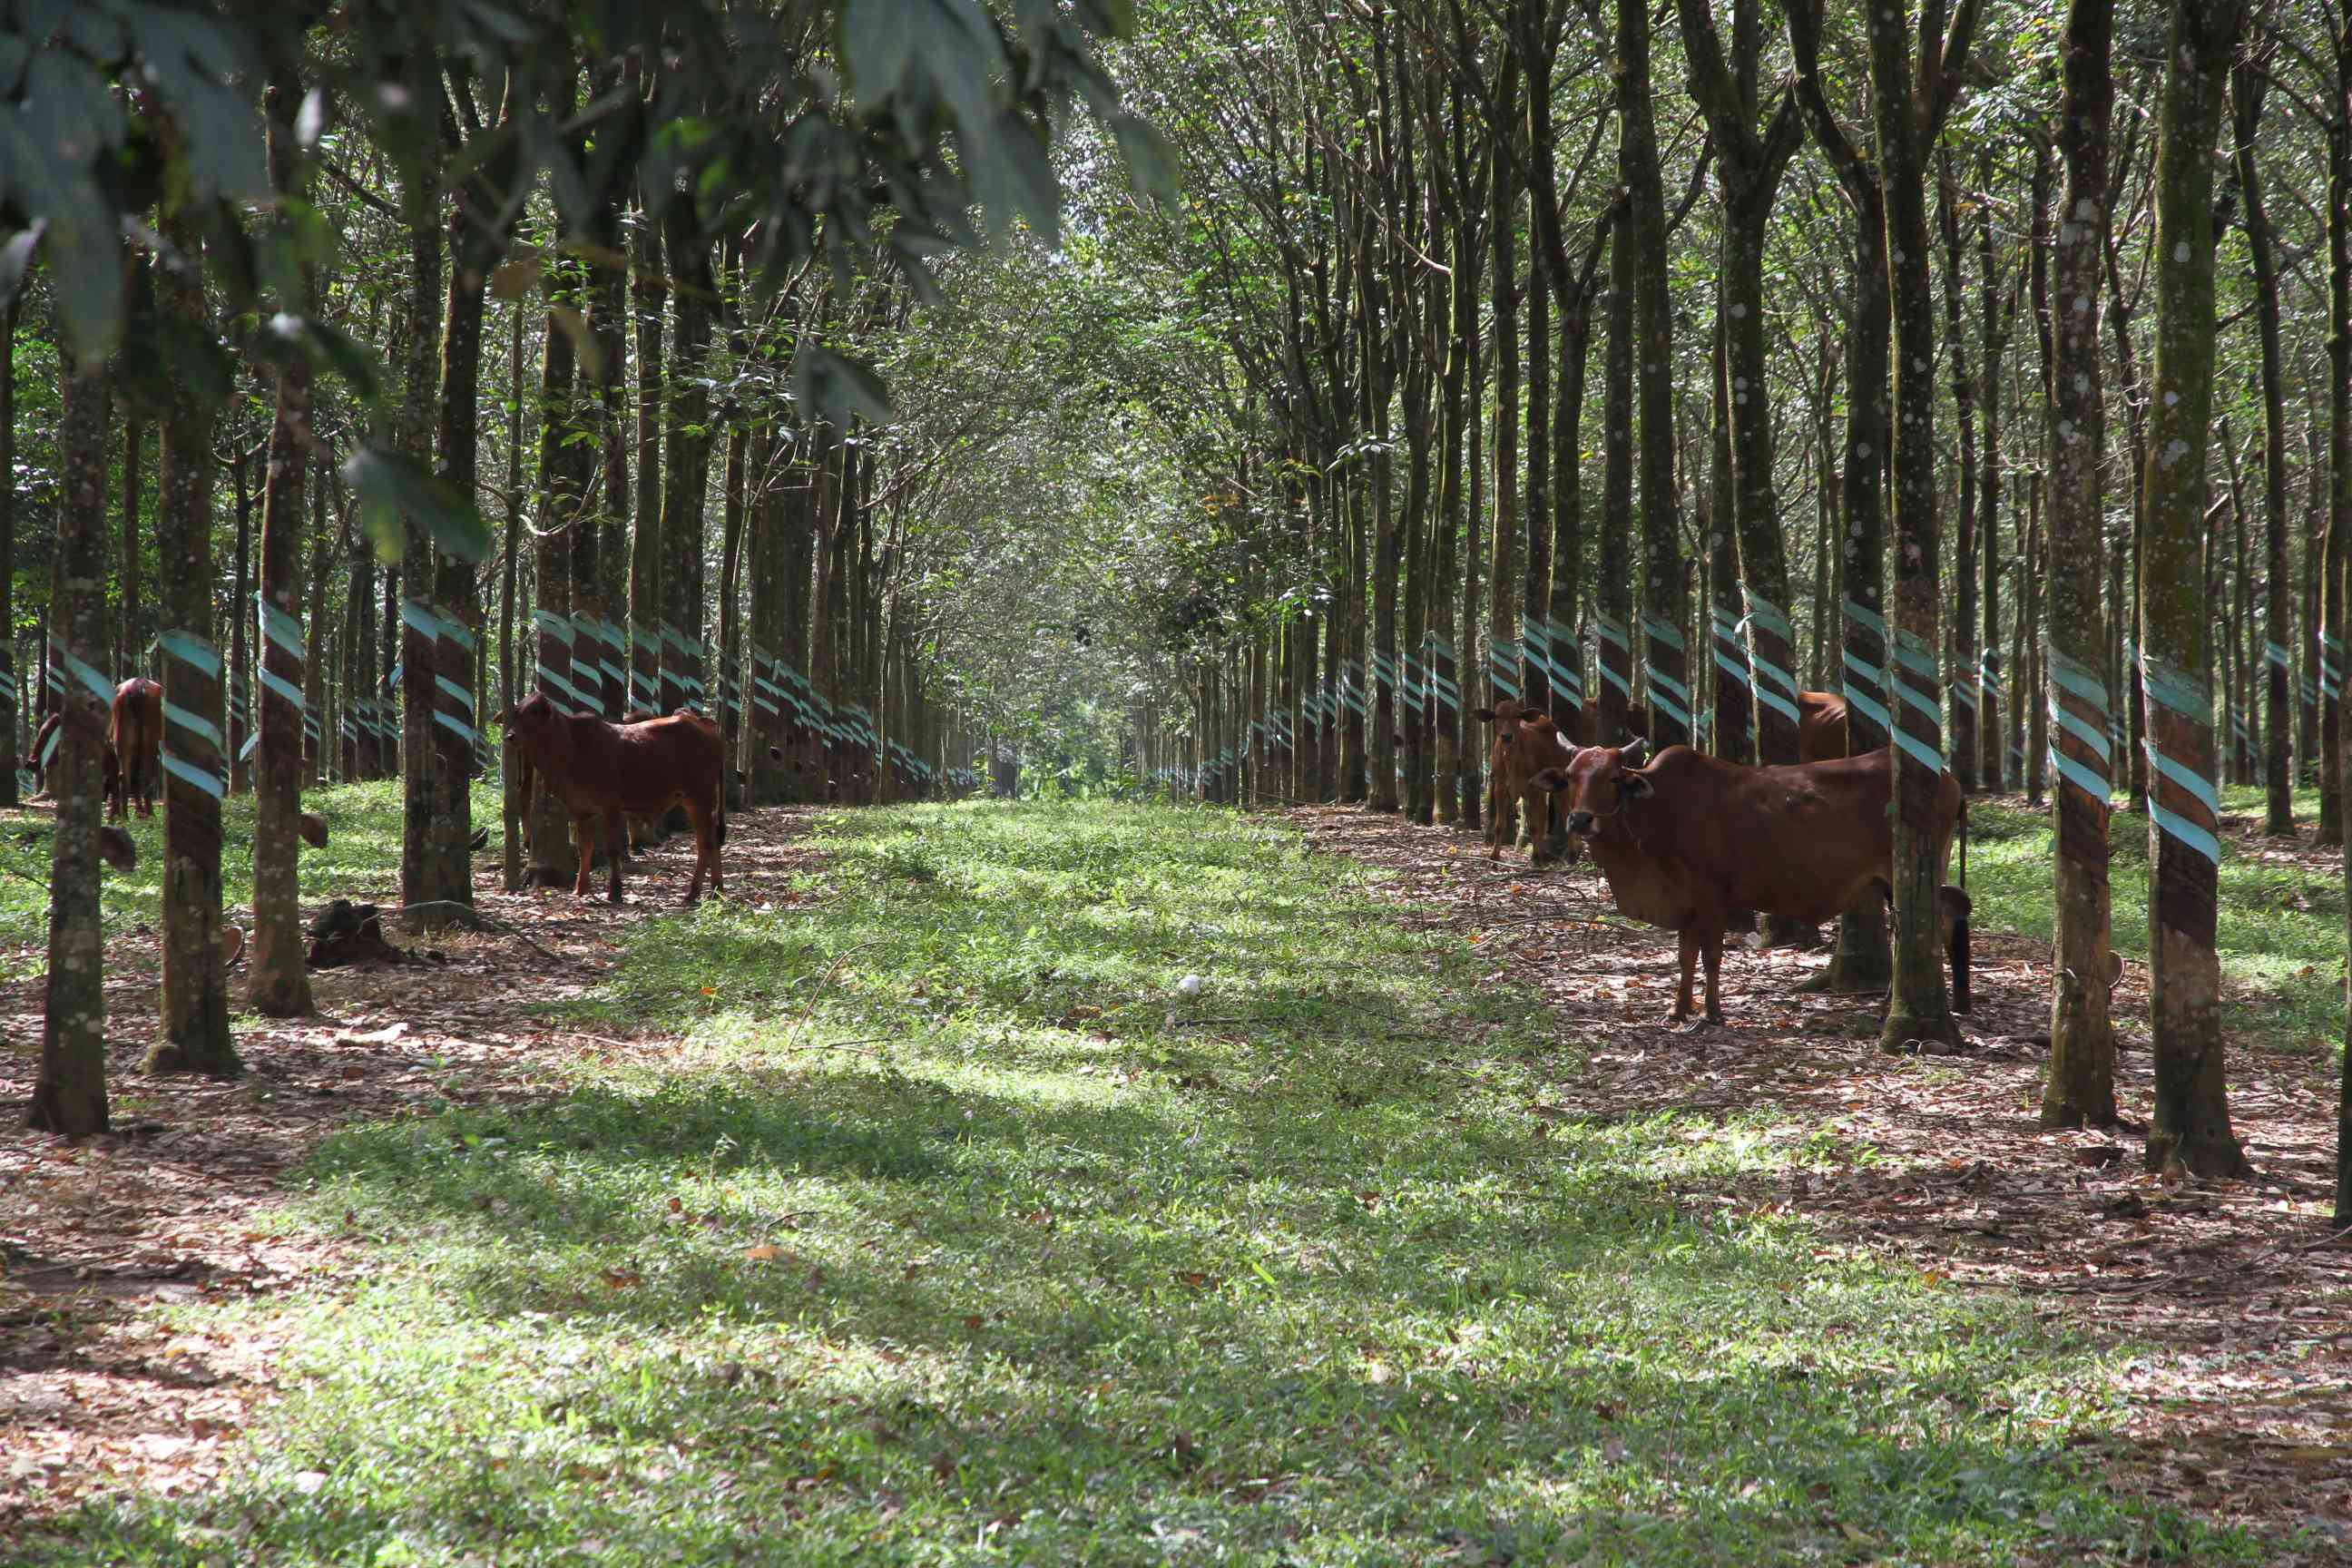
2230	1298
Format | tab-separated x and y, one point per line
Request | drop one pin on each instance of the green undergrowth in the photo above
362	860
2281	928
952	1233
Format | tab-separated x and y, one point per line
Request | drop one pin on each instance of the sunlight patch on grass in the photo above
1053	1265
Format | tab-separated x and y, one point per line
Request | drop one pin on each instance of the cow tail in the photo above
1964	847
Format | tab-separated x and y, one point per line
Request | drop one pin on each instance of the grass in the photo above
951	1234
362	860
2281	930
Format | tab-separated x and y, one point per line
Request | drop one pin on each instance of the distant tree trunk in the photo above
280	986
686	461
134	488
1909	116
2246	88
314	614
10	712
194	1027
1961	633
1612	587
1994	320
560	509
1863	962
600	575
1666	592
69	1090
2081	1086
240	715
423	869
2191	1128
1735	702
510	793
647	291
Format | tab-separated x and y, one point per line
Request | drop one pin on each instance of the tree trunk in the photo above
1735	702
1863	961
69	1090
11	712
1961	634
1665	591
511	803
553	864
1918	1008
422	868
2191	1128
647	290
280	986
684	461
1613	588
240	772
193	1034
2278	614
2080	1088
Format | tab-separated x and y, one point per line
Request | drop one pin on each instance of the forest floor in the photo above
899	1205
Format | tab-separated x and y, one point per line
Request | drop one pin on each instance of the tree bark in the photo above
2246	90
2080	1089
647	292
69	1089
2190	1127
1666	592
194	1033
1908	114
686	457
279	987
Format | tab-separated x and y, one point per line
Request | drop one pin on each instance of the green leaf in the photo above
877	44
835	386
1150	162
393	488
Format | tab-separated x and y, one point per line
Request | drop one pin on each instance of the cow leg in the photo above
1711	949
1686	955
706	852
583	830
1956	907
615	836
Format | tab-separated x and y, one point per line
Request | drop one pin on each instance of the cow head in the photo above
530	719
1598	783
1507	716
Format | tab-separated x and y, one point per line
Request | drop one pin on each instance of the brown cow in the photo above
603	770
1821	726
134	733
1525	743
1691	837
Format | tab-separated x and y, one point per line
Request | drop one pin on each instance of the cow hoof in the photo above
1700	1026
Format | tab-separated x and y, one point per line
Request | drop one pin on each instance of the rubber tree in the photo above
2247	83
2190	1127
1752	150
2080	1089
193	1033
1864	960
1910	99
280	985
1665	595
69	1086
423	870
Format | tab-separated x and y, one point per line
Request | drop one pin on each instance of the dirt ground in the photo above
2239	1291
2240	1401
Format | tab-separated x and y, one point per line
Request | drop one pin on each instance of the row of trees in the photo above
1975	361
278	244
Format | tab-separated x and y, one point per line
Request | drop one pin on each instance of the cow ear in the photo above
1635	755
1535	718
1636	787
1550	780
1484	715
